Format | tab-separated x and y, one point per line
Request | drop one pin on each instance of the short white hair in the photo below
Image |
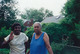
37	23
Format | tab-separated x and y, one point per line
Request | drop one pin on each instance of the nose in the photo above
17	28
36	28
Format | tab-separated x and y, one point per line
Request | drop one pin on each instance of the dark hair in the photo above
13	25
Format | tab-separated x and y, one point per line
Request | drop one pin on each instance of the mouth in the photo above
17	31
36	31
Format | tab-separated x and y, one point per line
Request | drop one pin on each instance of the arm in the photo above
4	43
28	52
25	47
10	38
46	40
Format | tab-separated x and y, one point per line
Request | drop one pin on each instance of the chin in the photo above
17	33
36	31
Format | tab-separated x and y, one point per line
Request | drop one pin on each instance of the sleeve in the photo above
6	38
26	38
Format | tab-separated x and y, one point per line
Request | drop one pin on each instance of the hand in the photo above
27	53
11	36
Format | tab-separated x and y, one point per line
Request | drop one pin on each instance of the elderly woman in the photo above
17	40
40	41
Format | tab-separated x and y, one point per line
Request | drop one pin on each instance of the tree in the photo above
71	11
7	13
36	15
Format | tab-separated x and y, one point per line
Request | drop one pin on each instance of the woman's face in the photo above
37	28
17	30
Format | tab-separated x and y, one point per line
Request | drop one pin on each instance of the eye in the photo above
15	27
19	27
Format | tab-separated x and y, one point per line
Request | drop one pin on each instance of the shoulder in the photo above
23	34
45	36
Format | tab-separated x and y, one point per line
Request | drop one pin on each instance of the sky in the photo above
52	5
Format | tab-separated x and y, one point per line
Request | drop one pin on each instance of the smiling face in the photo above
37	28
17	30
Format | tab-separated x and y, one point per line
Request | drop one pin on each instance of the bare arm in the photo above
25	47
10	38
46	40
4	44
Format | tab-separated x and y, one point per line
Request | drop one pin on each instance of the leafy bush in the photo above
29	33
4	32
4	51
54	32
57	47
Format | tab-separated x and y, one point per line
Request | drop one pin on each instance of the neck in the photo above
38	33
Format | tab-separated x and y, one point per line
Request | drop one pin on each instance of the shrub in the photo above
4	51
57	47
4	32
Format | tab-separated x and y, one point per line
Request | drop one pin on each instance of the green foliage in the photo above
36	15
53	30
29	32
4	32
8	13
72	11
57	47
76	35
77	31
4	51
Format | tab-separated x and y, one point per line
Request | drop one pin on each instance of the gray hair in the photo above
37	23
